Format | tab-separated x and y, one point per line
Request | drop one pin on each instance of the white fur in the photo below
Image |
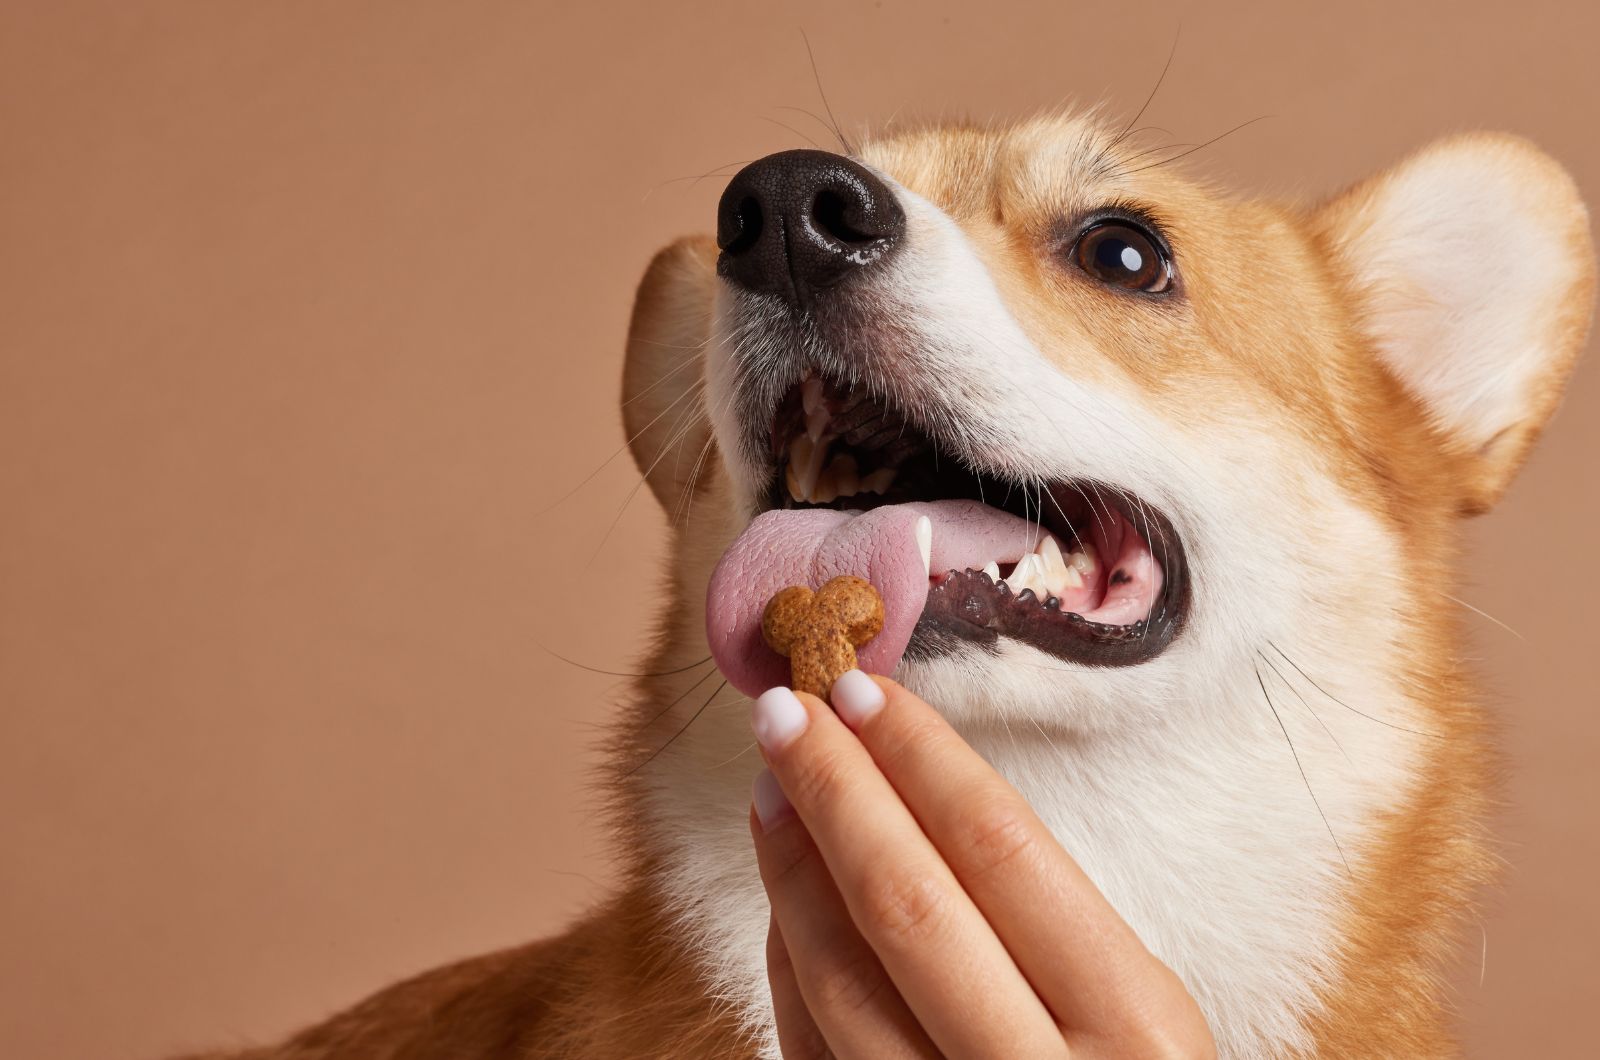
1171	782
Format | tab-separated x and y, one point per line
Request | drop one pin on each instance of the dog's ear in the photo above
663	379
1474	273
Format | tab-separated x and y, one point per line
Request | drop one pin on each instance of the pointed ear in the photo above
663	407
1475	273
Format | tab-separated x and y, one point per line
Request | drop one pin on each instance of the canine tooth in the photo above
817	424
992	569
1058	577
806	457
811	394
816	408
826	488
800	451
843	470
878	481
924	533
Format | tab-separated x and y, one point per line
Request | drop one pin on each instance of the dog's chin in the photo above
1014	691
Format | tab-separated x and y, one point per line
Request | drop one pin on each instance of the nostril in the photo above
829	212
747	227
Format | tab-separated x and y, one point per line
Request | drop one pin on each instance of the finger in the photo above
798	1035
946	962
838	983
1087	964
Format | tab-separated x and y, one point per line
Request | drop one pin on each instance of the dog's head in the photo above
1106	438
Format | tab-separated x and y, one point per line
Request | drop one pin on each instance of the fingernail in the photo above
772	805
856	697
777	717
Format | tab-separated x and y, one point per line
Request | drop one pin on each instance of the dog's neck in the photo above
1228	836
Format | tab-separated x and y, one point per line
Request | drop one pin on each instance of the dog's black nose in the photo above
797	222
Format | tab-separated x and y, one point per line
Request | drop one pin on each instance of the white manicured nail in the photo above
856	697
777	718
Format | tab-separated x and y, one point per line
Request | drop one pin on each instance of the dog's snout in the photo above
798	222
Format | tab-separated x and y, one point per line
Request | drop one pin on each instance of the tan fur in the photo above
1282	320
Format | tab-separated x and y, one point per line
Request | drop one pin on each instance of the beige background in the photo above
309	312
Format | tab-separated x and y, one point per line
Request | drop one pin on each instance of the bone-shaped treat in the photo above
820	631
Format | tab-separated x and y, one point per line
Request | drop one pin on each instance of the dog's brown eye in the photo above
1118	254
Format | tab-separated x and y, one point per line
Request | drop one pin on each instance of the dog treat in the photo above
820	631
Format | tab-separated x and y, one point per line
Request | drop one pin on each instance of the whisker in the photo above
685	503
686	498
696	177
813	115
849	150
657	752
621	673
687	362
735	758
791	128
664	711
1303	703
1160	79
693	414
1346	706
619	451
1304	779
1484	614
1208	143
1046	735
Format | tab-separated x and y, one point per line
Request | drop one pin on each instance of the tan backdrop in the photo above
311	313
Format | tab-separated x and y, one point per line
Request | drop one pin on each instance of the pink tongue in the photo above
809	546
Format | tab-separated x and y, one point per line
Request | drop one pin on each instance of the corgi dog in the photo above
1195	468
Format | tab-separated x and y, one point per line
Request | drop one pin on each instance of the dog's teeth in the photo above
800	453
1058	577
845	475
826	488
1083	558
806	457
992	569
878	481
789	480
1029	574
816	408
811	394
817	424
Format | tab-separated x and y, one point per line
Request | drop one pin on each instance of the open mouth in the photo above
1077	569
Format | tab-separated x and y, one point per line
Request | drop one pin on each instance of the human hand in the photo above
920	907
